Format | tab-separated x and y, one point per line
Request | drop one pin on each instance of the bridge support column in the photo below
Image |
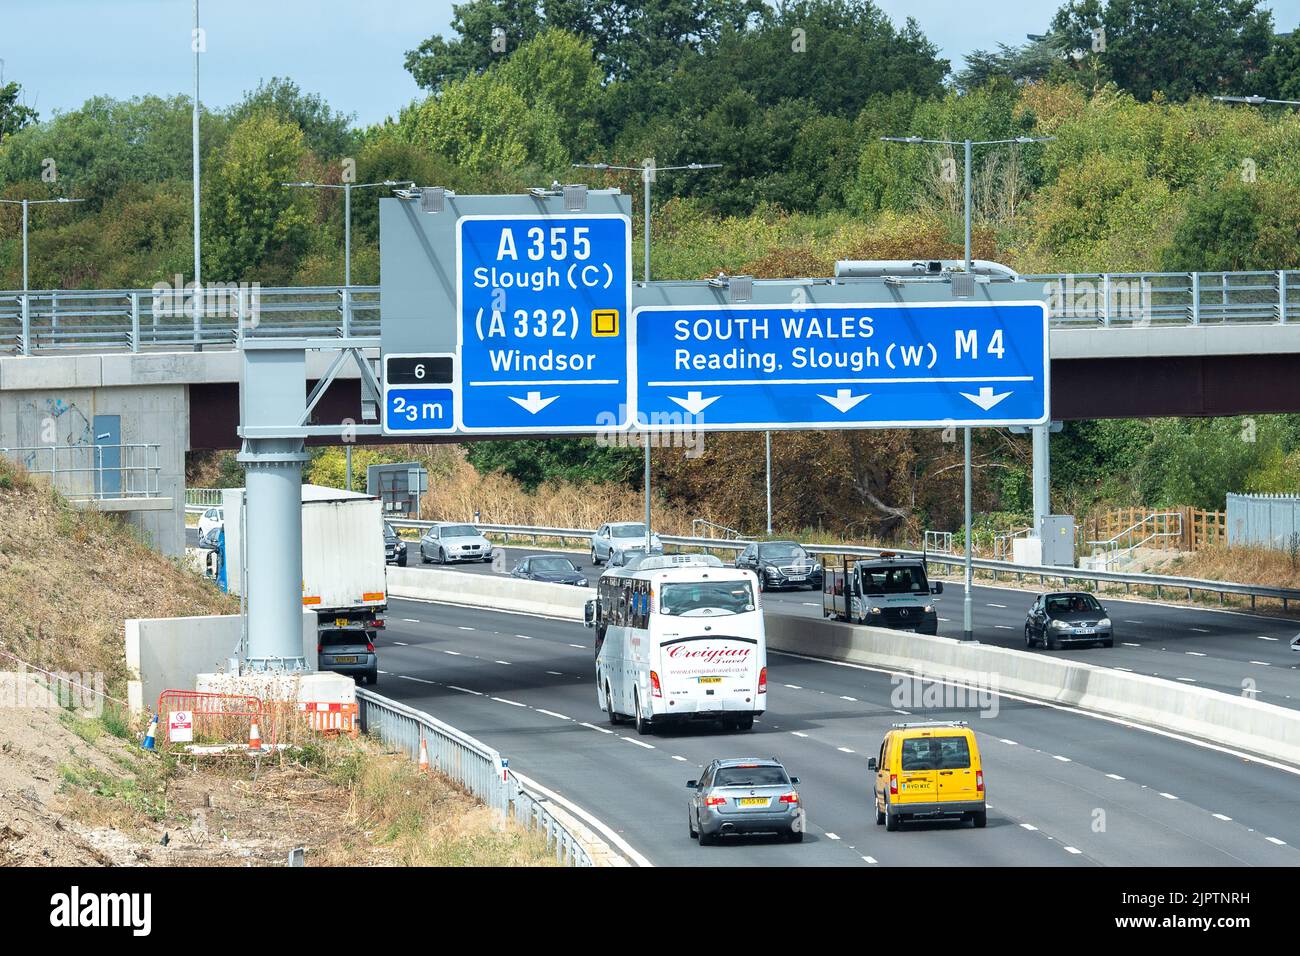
274	392
1041	476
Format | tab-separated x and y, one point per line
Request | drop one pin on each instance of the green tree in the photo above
258	228
13	114
1239	226
327	133
1178	48
532	462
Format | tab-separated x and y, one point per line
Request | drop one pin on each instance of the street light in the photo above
648	171
347	253
1255	100
967	145
33	202
347	212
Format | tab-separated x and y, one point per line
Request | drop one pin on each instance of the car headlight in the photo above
1104	622
875	610
816	568
771	572
928	609
1060	624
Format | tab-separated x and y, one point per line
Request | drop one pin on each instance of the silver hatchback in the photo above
447	543
745	795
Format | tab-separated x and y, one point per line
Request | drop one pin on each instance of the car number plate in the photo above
340	622
753	801
1084	630
797	577
710	680
345	660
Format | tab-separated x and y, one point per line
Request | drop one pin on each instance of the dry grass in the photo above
500	499
1242	565
68	579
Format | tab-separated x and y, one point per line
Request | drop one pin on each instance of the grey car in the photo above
349	651
447	543
744	795
615	536
1068	617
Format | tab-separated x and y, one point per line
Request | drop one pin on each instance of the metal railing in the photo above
938	542
137	319
697	523
1158	526
1002	543
1158	582
470	762
94	472
202	498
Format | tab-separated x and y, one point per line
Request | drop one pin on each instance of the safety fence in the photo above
98	471
473	764
170	318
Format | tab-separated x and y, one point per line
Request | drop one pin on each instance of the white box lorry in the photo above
343	569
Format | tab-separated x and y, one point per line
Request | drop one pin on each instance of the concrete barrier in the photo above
1238	722
490	591
170	652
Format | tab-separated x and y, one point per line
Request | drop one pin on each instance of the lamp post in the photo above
347	255
648	171
967	148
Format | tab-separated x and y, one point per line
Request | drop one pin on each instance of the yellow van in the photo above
929	771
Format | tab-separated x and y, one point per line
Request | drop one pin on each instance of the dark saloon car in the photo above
781	564
394	547
549	567
1068	617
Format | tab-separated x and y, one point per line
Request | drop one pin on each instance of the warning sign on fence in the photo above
180	726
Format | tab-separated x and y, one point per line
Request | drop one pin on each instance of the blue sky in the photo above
349	51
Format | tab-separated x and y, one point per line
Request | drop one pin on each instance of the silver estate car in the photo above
745	795
446	542
616	536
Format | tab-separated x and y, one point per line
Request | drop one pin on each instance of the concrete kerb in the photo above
1240	722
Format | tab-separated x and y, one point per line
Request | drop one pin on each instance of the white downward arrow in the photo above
986	399
694	402
844	399
534	403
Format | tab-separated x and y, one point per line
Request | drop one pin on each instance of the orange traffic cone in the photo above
254	737
424	756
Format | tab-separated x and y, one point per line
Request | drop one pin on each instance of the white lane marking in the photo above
1003	606
1126	670
1070	849
1276	841
603	730
524	636
411	620
1186	680
453	653
465	690
420	680
1127	644
847	697
944	619
401	643
555	673
464	628
682	759
581	647
798	733
551	713
1009	743
1114	776
572	807
1029	826
1168	796
1132	622
1262	663
844	750
501	662
1060	758
1194	653
639	743
811	604
905	713
794	686
512	703
1199	630
870	859
1222	816
832	836
1004	627
1265	637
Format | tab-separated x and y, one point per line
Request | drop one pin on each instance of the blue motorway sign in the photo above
419	393
543	311
840	366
